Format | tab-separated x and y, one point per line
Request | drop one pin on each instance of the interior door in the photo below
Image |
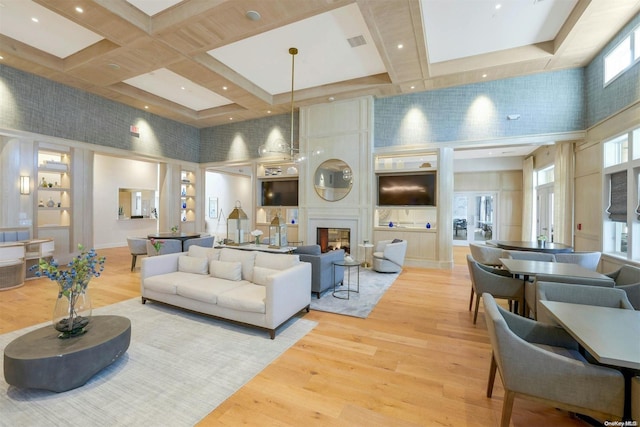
544	218
474	217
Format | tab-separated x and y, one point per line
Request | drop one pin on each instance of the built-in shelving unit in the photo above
53	190
187	200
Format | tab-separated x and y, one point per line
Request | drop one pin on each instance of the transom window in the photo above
623	56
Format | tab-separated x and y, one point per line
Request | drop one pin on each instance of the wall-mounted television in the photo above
417	189
282	192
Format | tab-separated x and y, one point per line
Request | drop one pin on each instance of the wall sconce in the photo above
24	185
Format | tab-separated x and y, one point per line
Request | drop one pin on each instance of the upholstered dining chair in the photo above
627	278
206	241
487	255
578	294
530	288
169	246
137	246
542	362
530	255
499	283
588	260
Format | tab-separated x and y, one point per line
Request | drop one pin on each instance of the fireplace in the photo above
331	239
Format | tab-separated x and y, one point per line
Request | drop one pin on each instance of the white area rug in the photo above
372	286
179	367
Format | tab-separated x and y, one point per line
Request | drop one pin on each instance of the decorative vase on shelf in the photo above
72	311
428	225
390	224
50	203
184	205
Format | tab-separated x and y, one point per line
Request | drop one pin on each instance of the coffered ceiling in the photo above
207	62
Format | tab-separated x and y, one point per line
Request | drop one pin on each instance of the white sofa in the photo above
254	288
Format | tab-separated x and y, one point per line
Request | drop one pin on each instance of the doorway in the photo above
474	217
544	201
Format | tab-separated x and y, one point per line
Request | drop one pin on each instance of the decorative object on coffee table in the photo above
72	311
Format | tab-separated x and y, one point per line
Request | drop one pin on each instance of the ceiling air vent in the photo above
357	41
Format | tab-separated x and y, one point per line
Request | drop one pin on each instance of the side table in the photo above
347	265
366	246
41	360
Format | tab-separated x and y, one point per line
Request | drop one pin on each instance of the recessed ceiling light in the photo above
34	19
230	118
1	57
498	6
400	46
182	87
268	111
413	87
331	99
484	76
253	15
146	107
224	88
113	66
79	9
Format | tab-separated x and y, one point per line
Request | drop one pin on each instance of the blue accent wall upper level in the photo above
547	103
602	101
34	104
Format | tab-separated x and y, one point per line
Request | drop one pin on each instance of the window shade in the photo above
618	197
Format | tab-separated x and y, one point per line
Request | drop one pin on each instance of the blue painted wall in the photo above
547	103
602	101
34	104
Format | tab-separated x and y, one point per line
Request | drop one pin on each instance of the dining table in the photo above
517	245
175	236
610	335
528	268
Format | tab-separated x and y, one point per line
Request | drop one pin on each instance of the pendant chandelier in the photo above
281	147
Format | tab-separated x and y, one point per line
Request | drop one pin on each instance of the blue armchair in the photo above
322	267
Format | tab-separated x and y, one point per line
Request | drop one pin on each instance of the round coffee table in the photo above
39	359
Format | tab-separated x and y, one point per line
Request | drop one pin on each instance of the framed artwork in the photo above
213	207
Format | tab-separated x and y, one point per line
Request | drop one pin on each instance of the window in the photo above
622	57
621	228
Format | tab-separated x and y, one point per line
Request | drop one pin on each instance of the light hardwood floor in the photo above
417	360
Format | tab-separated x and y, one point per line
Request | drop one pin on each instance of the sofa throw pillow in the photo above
247	258
228	270
308	250
191	264
261	275
396	241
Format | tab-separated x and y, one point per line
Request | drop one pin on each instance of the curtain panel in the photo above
564	172
618	197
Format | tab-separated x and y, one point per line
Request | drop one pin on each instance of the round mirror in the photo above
333	180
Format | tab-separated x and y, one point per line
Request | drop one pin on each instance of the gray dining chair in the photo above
530	288
542	362
589	260
206	242
499	283
578	294
169	246
530	255
137	246
486	254
627	278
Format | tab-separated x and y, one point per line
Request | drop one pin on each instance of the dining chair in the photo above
499	283
137	246
588	260
577	294
487	255
627	278
635	398
530	288
169	246
542	362
530	255
206	241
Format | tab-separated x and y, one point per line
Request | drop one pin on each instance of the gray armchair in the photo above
530	255
137	246
542	362
388	255
530	288
578	294
627	278
498	283
322	267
